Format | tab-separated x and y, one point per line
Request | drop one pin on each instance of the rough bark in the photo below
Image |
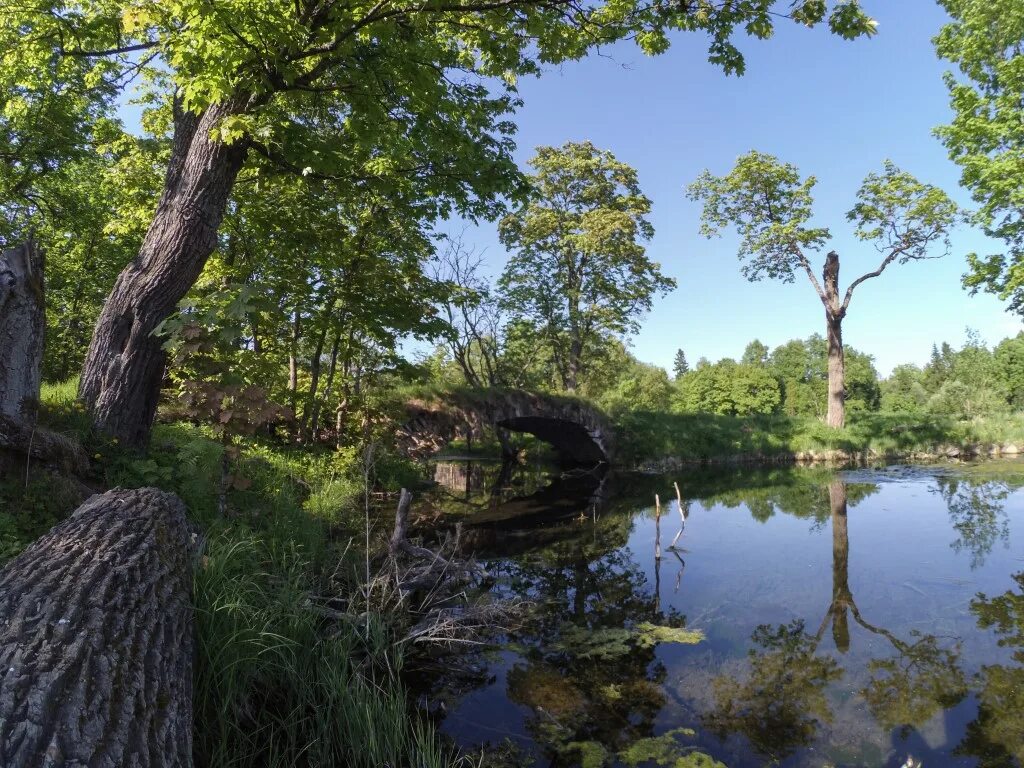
22	325
124	366
96	638
44	445
834	313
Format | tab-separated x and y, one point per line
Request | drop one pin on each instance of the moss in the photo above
648	634
665	750
544	688
591	754
615	642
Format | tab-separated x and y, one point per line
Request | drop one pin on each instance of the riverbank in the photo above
297	662
663	441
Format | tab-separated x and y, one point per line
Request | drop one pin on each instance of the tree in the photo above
771	207
755	353
579	270
72	667
362	96
728	388
474	324
986	135
903	390
1009	359
679	364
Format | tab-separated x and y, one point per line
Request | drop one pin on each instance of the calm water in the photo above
803	617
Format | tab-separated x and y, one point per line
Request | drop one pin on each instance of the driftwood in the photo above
22	323
96	638
432	586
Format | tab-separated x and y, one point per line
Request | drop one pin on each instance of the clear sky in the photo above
834	108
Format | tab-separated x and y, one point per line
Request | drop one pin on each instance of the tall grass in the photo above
277	682
277	686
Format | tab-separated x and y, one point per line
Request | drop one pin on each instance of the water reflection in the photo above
893	657
976	512
996	735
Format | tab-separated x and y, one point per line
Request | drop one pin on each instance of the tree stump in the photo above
22	325
96	638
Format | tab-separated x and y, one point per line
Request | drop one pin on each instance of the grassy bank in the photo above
646	437
295	666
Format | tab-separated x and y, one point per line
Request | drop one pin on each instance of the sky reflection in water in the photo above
850	618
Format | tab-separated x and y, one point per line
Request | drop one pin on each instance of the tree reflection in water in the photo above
586	672
976	512
996	736
781	702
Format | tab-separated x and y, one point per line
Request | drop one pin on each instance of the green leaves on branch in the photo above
986	135
579	269
771	208
899	214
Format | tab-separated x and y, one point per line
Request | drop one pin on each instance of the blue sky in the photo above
836	109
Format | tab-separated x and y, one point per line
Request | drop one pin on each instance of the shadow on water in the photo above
804	617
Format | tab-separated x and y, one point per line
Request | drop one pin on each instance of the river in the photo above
788	616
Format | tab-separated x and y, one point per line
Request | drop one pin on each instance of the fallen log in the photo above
44	445
96	638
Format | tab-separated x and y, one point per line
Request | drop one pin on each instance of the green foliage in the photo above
579	271
986	134
649	436
728	388
755	353
31	502
1009	365
904	390
770	207
272	688
635	386
679	364
779	704
966	383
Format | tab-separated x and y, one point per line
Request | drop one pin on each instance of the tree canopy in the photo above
578	268
986	134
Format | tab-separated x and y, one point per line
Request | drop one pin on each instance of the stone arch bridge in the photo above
579	433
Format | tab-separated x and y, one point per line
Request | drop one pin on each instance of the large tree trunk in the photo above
836	414
22	325
96	638
124	367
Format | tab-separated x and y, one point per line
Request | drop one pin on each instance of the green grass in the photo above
648	436
276	682
276	685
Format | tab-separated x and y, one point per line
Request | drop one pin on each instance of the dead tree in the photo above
96	638
22	324
22	329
